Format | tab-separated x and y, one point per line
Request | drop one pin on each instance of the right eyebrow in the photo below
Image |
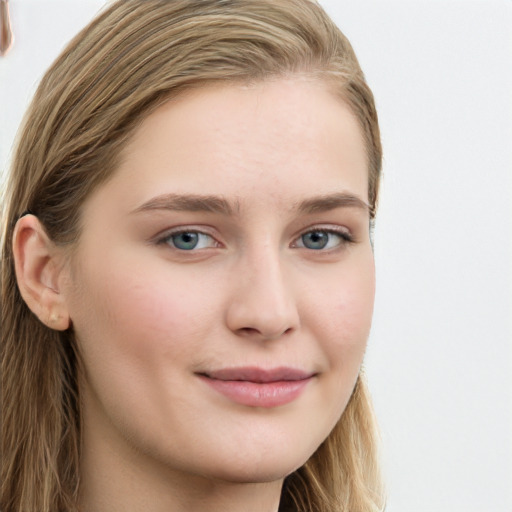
190	203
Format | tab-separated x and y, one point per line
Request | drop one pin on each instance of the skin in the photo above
150	318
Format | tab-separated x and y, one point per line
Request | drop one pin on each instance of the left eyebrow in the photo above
325	203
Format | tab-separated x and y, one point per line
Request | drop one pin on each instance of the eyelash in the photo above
345	239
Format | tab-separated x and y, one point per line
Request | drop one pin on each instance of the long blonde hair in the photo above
134	56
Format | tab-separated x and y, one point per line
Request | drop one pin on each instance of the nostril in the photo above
248	331
264	334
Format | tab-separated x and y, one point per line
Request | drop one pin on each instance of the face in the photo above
222	289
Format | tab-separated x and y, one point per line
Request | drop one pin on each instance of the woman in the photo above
187	273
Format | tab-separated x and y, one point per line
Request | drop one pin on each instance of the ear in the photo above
39	265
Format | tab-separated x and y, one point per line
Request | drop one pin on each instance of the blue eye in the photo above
189	240
320	239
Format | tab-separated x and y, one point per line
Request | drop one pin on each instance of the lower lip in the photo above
255	394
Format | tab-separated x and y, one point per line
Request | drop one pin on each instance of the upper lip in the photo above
259	375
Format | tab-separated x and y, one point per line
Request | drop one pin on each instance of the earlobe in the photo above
38	264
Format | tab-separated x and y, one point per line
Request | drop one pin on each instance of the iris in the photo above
185	241
316	239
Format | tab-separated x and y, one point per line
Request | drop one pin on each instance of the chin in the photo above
258	470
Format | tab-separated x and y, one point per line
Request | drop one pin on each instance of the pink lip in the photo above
256	387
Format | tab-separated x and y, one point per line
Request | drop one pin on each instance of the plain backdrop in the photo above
439	361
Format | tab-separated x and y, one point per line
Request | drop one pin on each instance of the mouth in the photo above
257	387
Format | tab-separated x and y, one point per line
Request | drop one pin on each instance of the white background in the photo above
440	355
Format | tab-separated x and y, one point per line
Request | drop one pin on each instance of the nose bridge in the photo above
263	303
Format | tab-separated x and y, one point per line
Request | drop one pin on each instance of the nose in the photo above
262	304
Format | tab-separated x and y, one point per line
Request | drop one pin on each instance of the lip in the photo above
258	387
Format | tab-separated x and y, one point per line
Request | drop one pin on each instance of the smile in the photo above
255	387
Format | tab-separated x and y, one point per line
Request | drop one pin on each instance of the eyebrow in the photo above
329	202
189	203
217	204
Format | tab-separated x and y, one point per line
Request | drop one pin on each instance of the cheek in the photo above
343	313
339	318
355	308
138	333
138	315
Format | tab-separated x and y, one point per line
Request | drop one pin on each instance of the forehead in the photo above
276	140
